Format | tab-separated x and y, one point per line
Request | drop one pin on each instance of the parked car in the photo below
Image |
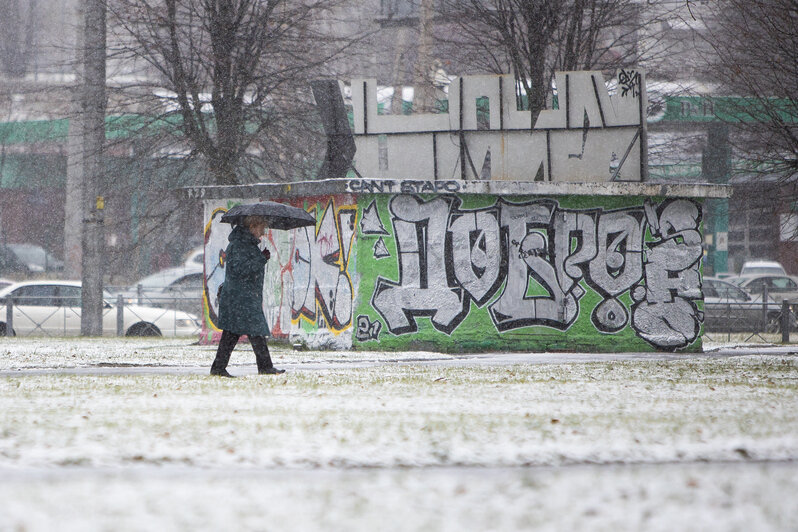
779	287
755	267
195	257
36	258
10	264
730	308
179	287
53	308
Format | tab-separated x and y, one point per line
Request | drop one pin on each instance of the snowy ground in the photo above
133	434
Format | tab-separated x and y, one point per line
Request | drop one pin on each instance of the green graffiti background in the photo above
477	331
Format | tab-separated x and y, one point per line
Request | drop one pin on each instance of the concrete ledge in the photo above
412	186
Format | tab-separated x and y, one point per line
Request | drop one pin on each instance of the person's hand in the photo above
266	253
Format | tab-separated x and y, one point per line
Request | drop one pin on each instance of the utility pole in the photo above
423	71
93	108
73	204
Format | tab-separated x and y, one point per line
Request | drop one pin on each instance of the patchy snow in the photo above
409	415
58	353
99	434
684	498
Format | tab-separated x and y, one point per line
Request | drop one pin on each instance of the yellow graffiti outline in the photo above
343	266
206	305
311	210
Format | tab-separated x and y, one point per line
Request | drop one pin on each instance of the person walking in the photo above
241	297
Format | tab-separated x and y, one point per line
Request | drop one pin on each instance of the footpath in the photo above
243	360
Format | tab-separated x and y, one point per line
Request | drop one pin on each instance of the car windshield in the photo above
783	283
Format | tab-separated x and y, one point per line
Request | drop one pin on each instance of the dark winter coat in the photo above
241	296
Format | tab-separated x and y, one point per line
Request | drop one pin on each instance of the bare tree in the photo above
533	38
17	26
754	56
233	77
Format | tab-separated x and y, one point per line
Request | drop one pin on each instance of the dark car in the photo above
26	259
729	308
179	288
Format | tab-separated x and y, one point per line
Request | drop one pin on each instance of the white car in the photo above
53	308
179	288
755	267
779	287
195	257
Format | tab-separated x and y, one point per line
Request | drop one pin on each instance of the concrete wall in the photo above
464	272
591	136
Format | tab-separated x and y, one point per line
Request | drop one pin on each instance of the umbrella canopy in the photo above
277	215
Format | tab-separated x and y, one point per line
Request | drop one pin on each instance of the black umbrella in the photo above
277	215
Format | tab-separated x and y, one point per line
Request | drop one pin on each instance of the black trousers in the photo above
229	341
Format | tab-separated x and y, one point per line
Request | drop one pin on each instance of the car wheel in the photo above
773	324
143	329
3	330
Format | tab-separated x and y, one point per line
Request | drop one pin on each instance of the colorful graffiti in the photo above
307	278
527	262
322	286
452	270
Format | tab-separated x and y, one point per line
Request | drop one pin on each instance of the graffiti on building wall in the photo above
308	276
450	267
216	234
595	132
321	282
529	265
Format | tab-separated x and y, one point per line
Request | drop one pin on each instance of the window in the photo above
70	296
782	283
727	291
35	295
9	263
709	290
398	9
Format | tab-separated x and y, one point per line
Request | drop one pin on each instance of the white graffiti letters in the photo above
420	229
529	260
618	265
476	265
533	260
664	314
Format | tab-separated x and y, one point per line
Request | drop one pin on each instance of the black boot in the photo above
262	357
226	344
270	371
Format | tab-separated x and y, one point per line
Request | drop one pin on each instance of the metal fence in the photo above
125	315
185	298
58	317
754	319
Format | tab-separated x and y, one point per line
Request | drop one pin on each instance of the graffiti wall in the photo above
592	134
308	290
475	272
